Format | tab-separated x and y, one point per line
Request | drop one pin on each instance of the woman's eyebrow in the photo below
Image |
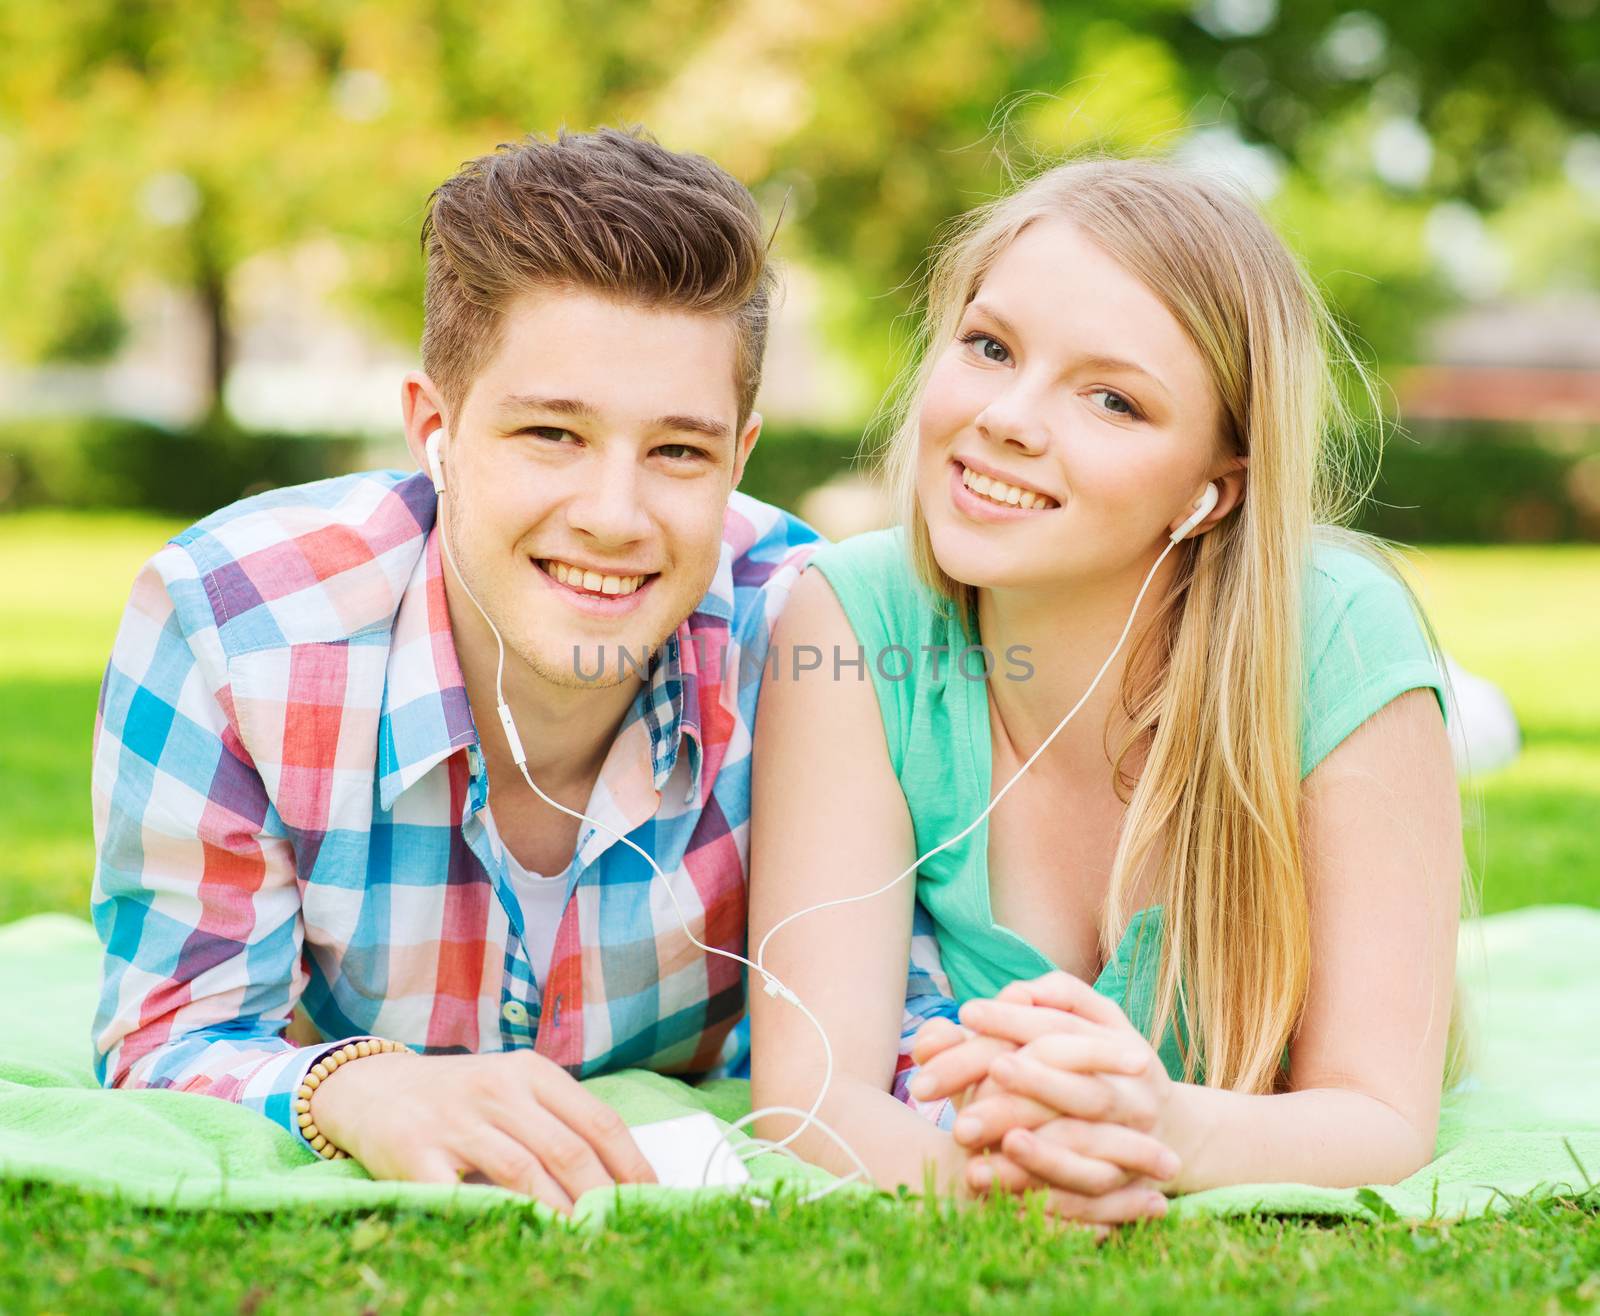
1126	367
1099	362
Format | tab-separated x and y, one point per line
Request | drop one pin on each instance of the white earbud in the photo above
1202	509
435	460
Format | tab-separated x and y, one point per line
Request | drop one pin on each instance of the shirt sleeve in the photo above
927	997
195	894
1365	646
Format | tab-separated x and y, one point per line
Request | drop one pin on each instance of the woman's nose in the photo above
1015	418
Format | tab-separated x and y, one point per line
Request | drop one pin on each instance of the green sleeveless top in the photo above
1363	646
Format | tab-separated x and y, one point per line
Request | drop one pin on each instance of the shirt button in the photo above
514	1012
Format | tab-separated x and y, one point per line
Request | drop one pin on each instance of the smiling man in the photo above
305	793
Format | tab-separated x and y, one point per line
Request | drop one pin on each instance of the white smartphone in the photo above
679	1150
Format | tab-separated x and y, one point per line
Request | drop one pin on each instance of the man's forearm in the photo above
1332	1137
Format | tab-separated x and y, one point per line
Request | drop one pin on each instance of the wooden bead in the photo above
320	1069
363	1049
303	1119
301	1104
318	1143
327	1153
312	1082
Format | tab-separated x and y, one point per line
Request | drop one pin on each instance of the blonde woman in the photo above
1209	936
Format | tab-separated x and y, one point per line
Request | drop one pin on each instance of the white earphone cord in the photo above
773	985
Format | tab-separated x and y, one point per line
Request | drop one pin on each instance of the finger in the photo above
1138	1153
958	1068
1063	991
431	1165
1058	1165
567	1158
935	1036
1016	993
985	1121
1120	1207
1119	1051
593	1121
505	1161
996	1173
1031	1073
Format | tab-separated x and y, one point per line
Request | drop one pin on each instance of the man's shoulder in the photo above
764	550
312	563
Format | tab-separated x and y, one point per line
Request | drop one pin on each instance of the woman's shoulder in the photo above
1365	639
1354	592
876	583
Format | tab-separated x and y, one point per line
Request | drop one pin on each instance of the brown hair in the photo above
610	212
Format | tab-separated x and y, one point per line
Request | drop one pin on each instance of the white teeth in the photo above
593	581
1000	492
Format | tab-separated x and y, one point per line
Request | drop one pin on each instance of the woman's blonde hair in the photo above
1214	682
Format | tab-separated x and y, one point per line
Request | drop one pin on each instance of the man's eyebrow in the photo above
702	425
1092	363
532	402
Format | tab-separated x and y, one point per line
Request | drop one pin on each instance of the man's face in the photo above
587	476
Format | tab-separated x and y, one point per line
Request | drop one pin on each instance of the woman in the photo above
1208	937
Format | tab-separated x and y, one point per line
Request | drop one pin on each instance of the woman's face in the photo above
1068	381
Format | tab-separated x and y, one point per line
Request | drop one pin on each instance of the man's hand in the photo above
510	1118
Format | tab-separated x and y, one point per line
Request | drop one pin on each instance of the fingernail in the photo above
920	1086
968	1128
1169	1165
1156	1204
980	1175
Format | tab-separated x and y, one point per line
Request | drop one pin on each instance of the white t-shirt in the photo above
543	900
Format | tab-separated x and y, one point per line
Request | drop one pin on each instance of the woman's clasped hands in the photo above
1056	1091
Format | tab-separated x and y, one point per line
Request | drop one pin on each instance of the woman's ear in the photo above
1230	482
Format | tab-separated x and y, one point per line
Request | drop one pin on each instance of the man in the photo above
304	790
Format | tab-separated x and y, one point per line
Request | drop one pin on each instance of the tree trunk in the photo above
211	283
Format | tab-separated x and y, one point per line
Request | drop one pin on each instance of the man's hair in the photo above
610	212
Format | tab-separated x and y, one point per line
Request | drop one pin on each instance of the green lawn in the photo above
1522	616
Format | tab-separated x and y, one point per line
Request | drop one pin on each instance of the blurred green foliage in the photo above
142	140
1461	485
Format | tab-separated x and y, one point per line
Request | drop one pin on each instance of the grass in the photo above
1515	615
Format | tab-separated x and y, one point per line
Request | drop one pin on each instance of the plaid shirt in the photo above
287	798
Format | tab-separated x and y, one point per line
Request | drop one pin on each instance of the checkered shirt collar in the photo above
423	682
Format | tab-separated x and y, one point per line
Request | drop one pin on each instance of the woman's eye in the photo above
992	349
1115	403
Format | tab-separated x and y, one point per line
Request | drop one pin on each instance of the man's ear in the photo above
745	446
423	410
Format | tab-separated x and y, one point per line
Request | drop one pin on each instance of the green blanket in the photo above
1521	1124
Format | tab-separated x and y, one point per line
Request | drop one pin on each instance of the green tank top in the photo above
1363	646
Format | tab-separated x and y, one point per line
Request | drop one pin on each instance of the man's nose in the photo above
608	505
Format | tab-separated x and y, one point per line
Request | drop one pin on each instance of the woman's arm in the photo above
828	819
1381	830
1382	837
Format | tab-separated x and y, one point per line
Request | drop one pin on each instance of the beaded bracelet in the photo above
313	1080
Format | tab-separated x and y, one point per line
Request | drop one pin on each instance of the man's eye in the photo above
681	451
1116	404
992	349
552	432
